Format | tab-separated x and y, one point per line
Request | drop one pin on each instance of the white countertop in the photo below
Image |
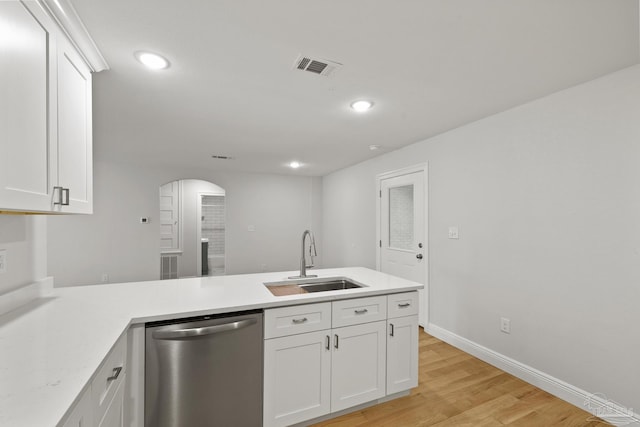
51	347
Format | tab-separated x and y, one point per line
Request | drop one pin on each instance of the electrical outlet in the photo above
3	260
105	278
453	233
505	325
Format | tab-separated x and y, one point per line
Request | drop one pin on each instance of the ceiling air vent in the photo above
222	157
322	67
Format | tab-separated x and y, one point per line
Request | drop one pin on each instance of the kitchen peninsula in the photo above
52	349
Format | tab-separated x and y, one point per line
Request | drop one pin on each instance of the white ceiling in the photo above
428	65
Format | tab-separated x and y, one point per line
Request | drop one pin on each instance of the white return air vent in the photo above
318	66
168	266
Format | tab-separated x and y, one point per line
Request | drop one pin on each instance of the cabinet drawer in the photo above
405	304
359	310
280	322
109	377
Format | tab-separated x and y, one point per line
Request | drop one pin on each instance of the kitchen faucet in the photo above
303	260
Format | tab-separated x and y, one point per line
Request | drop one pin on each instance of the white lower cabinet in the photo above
106	387
297	378
81	415
402	341
402	354
314	370
114	415
102	403
312	374
358	365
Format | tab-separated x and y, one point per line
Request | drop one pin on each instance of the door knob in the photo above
420	245
419	256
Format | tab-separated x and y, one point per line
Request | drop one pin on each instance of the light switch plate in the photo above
3	260
505	325
453	233
251	228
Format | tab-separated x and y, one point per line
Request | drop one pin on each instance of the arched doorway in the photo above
192	229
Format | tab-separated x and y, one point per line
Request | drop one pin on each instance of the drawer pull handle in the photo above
392	329
336	340
116	374
405	305
328	347
363	311
299	321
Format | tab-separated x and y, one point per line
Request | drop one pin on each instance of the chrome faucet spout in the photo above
303	259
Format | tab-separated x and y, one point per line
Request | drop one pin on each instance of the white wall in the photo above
547	199
112	241
22	238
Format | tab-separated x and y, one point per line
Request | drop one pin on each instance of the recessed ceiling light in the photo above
294	165
152	61
361	106
374	147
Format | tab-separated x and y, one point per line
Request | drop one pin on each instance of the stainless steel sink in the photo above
330	285
303	286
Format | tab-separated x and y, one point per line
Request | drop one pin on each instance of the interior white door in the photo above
170	217
402	229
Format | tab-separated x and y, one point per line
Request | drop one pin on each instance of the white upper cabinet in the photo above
27	121
75	172
45	115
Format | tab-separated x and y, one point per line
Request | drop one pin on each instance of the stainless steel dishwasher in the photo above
204	372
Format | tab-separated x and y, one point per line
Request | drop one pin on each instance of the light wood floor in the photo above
456	389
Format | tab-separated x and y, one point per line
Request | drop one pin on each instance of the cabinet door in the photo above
27	109
402	354
114	416
358	364
75	162
81	415
297	372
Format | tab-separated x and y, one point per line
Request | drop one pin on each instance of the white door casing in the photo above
402	228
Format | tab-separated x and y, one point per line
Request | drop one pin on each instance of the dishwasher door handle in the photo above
177	334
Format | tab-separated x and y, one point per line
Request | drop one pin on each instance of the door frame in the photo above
199	229
421	167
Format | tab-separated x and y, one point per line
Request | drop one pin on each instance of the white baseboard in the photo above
594	403
18	297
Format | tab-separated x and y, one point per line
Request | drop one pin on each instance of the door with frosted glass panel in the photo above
402	232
